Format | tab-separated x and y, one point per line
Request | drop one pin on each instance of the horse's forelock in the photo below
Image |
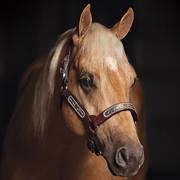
100	42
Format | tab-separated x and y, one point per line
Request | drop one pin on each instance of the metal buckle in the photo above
92	145
64	69
92	140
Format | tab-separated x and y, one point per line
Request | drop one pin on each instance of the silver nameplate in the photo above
118	108
75	105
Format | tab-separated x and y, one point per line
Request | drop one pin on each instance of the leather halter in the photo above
92	121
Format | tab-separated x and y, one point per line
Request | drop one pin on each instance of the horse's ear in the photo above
85	20
85	23
122	28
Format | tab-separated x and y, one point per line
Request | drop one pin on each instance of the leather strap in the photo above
102	117
93	121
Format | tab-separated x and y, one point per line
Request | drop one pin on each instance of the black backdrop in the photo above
28	29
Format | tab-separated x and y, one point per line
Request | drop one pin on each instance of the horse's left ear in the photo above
122	28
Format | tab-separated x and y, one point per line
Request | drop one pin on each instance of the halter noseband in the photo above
92	121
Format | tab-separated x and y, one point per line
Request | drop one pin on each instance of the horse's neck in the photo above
60	151
21	134
79	163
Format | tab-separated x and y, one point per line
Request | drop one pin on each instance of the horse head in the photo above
100	76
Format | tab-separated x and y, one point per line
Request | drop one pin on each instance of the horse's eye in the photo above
86	82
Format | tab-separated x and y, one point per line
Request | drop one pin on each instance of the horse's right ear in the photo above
85	23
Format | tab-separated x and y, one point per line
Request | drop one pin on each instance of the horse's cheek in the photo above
72	122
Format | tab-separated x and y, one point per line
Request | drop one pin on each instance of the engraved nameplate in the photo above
118	108
75	105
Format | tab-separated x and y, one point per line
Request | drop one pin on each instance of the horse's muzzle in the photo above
125	160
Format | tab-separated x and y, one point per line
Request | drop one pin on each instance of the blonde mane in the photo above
47	137
45	85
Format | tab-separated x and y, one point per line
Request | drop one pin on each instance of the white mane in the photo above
45	85
55	58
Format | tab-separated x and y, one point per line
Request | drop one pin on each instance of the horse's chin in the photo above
123	173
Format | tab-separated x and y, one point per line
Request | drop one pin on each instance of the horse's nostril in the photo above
122	157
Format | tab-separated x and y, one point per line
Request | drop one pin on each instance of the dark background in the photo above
28	29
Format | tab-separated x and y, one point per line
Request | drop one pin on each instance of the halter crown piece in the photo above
92	121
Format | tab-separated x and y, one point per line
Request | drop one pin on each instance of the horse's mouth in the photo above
130	170
116	171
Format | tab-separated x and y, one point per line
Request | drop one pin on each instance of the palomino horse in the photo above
79	95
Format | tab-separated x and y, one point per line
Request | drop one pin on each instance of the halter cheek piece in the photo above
92	121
